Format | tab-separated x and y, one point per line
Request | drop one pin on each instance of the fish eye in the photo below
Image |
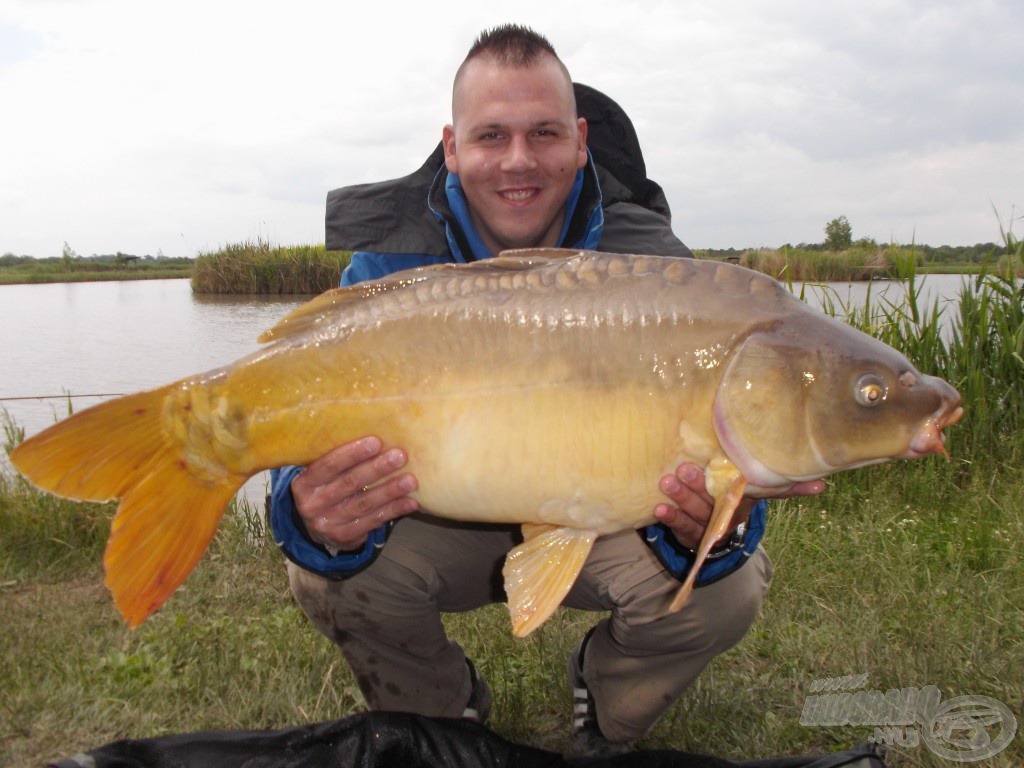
871	390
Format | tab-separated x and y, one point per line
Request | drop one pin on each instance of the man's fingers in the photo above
341	460
333	482
371	499
352	490
687	530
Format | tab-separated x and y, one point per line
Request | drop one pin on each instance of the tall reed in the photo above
259	267
789	264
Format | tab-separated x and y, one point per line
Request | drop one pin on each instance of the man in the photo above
374	573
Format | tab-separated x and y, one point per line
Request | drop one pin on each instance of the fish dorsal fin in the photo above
530	256
314	311
726	485
540	572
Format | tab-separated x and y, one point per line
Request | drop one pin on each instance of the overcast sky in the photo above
179	127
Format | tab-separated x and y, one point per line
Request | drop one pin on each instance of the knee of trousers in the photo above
368	598
715	618
726	609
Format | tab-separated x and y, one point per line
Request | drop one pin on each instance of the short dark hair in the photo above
512	45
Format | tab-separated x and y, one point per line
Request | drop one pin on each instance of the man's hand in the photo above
690	511
352	490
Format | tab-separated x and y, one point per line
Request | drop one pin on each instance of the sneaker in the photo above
479	705
587	739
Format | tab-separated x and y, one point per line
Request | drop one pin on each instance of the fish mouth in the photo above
930	438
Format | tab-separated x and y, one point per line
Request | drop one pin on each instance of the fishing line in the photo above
61	397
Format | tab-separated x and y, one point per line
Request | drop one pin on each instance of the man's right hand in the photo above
352	490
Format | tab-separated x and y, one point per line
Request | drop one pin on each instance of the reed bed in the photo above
795	265
259	267
864	263
909	573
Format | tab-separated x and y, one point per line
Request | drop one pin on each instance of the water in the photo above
86	342
91	341
944	288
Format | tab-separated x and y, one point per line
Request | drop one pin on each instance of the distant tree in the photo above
66	256
838	234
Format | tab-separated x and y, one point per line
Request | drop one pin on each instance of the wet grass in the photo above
910	574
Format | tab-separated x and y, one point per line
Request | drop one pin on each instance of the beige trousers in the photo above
387	620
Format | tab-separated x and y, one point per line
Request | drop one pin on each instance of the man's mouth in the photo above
518	195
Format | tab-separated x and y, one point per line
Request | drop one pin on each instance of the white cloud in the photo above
182	126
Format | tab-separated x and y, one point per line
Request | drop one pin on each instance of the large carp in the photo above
547	388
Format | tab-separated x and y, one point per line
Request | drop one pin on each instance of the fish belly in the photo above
587	459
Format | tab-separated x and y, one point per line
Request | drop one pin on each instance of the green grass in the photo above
48	274
910	573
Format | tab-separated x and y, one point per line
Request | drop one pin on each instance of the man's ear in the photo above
448	141
582	159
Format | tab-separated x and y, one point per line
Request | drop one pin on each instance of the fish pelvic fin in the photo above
169	511
540	572
730	486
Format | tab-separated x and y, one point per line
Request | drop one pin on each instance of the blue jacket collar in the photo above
459	207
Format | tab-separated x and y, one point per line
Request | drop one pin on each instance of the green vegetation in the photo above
841	258
838	234
867	261
70	268
258	267
910	573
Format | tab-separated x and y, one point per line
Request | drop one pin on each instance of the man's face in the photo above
516	144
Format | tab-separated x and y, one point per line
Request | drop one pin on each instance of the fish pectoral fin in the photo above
730	492
540	572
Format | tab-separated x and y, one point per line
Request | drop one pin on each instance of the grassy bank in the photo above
258	267
862	263
42	272
909	573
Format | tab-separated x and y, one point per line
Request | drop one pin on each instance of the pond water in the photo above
81	343
87	342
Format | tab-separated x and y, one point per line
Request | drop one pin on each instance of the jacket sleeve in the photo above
721	562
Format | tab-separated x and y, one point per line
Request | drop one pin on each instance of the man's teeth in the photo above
518	194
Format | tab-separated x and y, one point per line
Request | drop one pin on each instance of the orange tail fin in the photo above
169	511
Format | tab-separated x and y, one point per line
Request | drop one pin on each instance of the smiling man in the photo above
517	147
373	571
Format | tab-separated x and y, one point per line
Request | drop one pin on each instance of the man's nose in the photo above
519	157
